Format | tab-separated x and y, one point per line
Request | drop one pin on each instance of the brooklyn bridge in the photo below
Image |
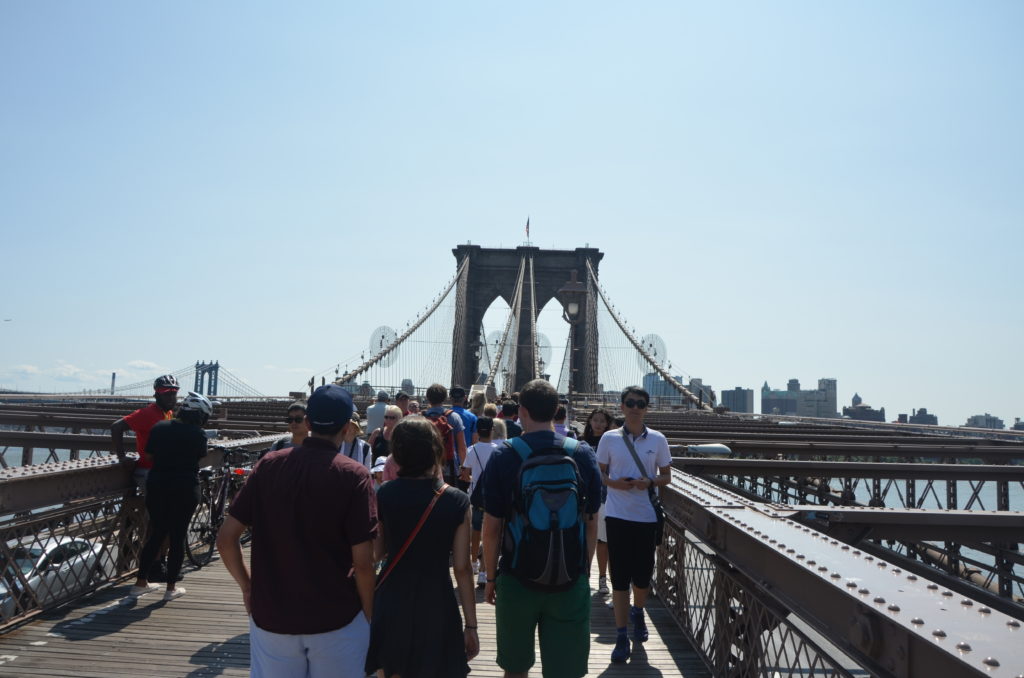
793	546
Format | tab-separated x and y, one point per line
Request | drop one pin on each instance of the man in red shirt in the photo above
141	421
165	395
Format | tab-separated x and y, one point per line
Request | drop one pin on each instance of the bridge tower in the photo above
207	373
492	273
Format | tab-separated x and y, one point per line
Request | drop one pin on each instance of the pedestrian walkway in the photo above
205	633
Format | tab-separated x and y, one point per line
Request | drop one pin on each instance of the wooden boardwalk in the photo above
205	633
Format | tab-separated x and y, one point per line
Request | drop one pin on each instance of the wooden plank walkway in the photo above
205	633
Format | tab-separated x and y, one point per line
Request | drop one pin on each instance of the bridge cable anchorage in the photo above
513	314
534	349
374	359
643	352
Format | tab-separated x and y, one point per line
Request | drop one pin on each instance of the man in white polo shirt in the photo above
630	518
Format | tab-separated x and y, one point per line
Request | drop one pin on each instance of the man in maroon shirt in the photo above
313	514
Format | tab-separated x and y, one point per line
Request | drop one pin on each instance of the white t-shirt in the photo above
477	455
652	448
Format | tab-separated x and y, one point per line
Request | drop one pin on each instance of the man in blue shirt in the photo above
563	616
458	397
436	395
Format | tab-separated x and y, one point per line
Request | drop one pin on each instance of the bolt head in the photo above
990	661
939	633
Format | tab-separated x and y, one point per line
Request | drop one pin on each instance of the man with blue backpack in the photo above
541	492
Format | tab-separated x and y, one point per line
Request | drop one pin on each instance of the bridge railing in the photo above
938	509
760	594
68	529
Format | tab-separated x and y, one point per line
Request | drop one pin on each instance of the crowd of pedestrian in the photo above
358	531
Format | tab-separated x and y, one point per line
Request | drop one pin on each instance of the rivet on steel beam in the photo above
846	547
863	592
1013	624
836	575
939	633
869	558
822	569
947	593
917	620
879	600
984	610
897	570
894	607
967	602
912	577
991	661
963	647
790	550
800	556
851	584
812	562
933	587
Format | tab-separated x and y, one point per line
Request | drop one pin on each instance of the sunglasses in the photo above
294	420
390	416
630	403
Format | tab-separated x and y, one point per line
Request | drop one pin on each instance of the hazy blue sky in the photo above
782	189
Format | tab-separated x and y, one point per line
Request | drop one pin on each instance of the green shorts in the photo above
564	621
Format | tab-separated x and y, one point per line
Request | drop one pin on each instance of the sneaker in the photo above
171	594
136	591
640	634
622	650
481	579
602	586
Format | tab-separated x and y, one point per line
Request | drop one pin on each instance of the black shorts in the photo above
630	553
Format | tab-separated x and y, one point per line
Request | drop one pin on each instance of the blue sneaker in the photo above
636	615
622	650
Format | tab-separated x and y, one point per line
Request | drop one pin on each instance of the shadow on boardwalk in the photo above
205	633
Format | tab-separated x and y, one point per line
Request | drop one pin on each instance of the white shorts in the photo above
602	532
335	654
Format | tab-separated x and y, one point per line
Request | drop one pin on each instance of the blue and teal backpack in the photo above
545	538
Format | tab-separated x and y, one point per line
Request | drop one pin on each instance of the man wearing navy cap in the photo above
313	514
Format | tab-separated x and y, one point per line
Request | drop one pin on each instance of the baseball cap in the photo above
330	405
457	392
378	464
400	395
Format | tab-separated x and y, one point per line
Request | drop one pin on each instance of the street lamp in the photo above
572	295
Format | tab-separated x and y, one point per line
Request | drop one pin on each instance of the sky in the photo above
792	189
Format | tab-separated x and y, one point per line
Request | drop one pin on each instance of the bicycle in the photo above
216	490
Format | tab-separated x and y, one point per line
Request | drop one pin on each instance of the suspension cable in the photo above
535	350
643	353
513	313
344	379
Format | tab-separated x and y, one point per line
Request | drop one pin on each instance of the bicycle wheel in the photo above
202	533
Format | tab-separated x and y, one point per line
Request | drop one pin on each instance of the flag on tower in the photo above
527	228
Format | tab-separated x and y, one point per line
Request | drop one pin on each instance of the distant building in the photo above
1018	425
658	387
985	421
921	416
820	402
739	399
861	411
703	391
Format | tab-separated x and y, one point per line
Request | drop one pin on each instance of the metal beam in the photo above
893	623
846	469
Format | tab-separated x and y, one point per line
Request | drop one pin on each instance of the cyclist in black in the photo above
172	488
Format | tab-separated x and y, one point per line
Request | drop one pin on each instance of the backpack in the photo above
445	429
545	538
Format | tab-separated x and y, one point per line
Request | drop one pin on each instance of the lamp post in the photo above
572	295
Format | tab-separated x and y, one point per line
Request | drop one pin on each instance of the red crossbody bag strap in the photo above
412	535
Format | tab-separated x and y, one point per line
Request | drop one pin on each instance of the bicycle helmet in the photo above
196	402
166	381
